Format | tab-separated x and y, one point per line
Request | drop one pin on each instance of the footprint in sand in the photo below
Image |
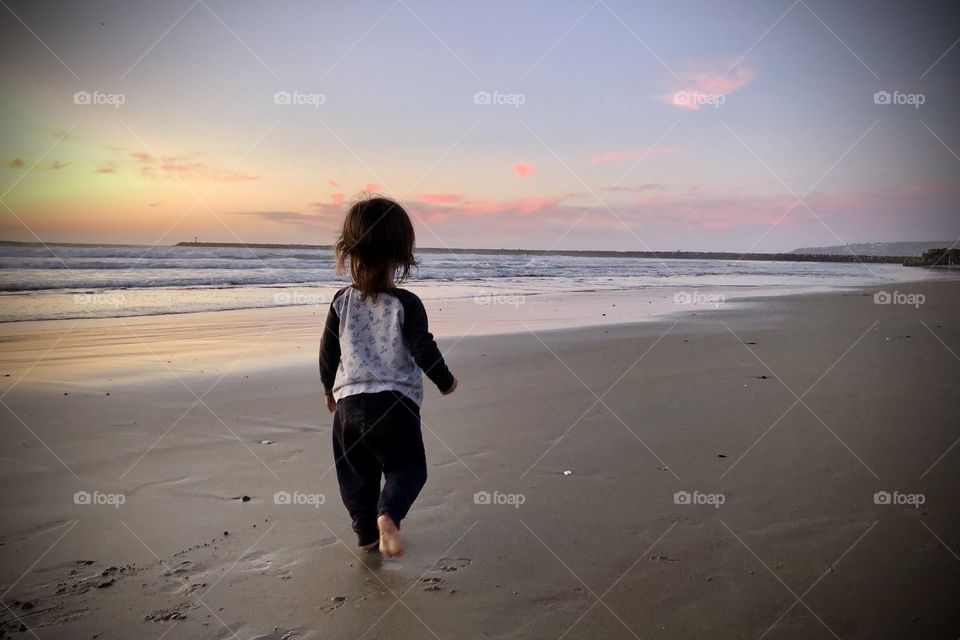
258	561
267	563
432	584
184	567
179	612
452	564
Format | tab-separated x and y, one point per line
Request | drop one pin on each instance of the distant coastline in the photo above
656	255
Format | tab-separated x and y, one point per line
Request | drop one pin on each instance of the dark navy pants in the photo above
374	435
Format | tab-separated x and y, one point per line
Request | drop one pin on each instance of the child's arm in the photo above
422	346
330	355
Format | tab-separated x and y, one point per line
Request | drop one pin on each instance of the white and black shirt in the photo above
379	343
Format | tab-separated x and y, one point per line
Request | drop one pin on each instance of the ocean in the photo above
97	281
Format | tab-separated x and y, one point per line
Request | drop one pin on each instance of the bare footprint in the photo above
451	564
391	545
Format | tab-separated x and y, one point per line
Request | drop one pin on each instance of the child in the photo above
374	347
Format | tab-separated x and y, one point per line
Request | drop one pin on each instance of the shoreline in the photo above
449	291
200	342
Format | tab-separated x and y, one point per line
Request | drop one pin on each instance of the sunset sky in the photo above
696	125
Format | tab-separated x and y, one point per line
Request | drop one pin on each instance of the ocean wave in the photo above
38	282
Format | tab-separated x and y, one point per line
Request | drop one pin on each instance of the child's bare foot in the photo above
370	548
391	545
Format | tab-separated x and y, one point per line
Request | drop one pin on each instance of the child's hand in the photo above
452	388
331	403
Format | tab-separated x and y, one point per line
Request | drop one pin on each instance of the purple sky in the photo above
588	125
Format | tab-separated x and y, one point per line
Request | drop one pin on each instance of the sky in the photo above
741	126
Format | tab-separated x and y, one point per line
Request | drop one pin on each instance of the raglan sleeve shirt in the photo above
354	323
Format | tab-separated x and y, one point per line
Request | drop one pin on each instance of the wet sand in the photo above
560	476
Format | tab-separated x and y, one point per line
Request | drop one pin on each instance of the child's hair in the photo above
377	240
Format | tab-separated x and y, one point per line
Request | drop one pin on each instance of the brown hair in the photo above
377	240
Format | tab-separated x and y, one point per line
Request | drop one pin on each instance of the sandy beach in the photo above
693	269
781	468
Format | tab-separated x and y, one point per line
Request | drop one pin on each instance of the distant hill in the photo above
878	248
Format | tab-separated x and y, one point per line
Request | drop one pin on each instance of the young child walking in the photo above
374	348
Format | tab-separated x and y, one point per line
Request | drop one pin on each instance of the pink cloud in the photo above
483	207
523	169
373	187
439	198
185	167
108	167
535	204
695	218
336	198
708	86
721	210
